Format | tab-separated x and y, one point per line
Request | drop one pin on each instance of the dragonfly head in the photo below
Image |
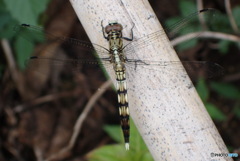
113	26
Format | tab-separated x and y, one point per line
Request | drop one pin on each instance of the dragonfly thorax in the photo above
118	60
119	67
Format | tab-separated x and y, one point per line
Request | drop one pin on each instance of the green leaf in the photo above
29	34
187	7
202	90
220	23
5	18
236	14
7	29
189	23
224	46
136	142
186	45
215	113
26	11
109	153
226	90
24	42
114	131
23	49
138	150
171	21
6	22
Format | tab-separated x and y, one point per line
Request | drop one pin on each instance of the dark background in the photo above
37	114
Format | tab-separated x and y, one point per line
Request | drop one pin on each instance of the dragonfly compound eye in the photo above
113	27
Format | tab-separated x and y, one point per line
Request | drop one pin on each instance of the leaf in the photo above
136	142
26	11
215	113
186	45
171	21
114	131
220	23
7	30
202	90
6	22
224	46
236	14
108	153
5	18
226	90
24	43
187	7
23	49
193	25
138	150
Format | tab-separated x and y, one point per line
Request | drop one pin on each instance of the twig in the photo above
16	75
44	99
86	110
205	34
77	127
201	18
230	16
199	5
231	78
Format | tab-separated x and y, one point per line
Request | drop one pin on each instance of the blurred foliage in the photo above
29	11
212	109
218	22
226	90
138	150
236	14
215	21
187	11
12	15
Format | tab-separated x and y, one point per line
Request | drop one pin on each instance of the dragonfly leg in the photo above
103	31
130	39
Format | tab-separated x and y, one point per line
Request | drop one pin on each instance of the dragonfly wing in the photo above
79	53
161	72
43	64
38	34
188	24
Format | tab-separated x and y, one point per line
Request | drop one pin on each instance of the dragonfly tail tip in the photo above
127	146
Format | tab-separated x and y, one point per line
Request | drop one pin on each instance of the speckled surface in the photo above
163	104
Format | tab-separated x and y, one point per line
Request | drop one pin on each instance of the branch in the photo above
172	121
205	34
16	75
201	18
66	151
230	16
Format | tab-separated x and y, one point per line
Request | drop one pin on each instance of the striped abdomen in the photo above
123	105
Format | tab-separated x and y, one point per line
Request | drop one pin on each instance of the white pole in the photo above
172	121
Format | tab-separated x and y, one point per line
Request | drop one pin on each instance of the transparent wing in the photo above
79	52
44	64
82	53
32	33
170	69
186	25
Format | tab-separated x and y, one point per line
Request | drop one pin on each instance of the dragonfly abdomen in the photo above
123	105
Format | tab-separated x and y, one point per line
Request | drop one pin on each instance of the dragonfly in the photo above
121	58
